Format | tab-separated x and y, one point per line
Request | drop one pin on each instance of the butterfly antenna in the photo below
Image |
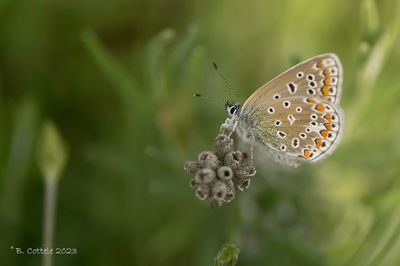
225	81
213	99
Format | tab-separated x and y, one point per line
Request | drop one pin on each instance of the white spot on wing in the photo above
328	62
314	116
286	104
291	119
281	134
295	142
311	91
303	135
291	87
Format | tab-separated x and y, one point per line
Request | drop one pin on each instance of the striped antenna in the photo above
225	81
214	99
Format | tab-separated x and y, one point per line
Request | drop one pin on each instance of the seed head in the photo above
204	176
225	173
220	174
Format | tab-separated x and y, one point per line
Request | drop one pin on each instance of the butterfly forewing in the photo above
320	76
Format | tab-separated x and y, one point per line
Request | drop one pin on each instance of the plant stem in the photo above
50	203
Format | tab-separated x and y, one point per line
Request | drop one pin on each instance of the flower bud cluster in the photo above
218	175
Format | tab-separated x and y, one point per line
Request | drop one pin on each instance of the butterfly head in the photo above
232	108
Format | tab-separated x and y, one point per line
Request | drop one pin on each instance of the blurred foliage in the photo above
52	154
116	77
227	256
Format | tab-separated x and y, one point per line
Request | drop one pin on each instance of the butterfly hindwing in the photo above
303	128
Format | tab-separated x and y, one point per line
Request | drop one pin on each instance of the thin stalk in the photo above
49	217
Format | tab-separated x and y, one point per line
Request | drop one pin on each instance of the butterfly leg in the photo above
252	151
233	129
228	125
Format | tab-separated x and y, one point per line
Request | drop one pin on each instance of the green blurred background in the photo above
117	78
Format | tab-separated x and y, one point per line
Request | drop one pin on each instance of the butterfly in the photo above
296	116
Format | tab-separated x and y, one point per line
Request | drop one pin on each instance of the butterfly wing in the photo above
296	114
320	76
300	128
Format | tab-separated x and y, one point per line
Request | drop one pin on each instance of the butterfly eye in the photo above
233	109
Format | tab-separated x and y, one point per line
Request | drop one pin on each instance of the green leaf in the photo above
126	86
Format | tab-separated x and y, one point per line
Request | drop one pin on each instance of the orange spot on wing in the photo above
310	100
327	72
325	90
324	133
325	97
319	64
318	143
328	117
319	107
307	154
328	126
327	81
